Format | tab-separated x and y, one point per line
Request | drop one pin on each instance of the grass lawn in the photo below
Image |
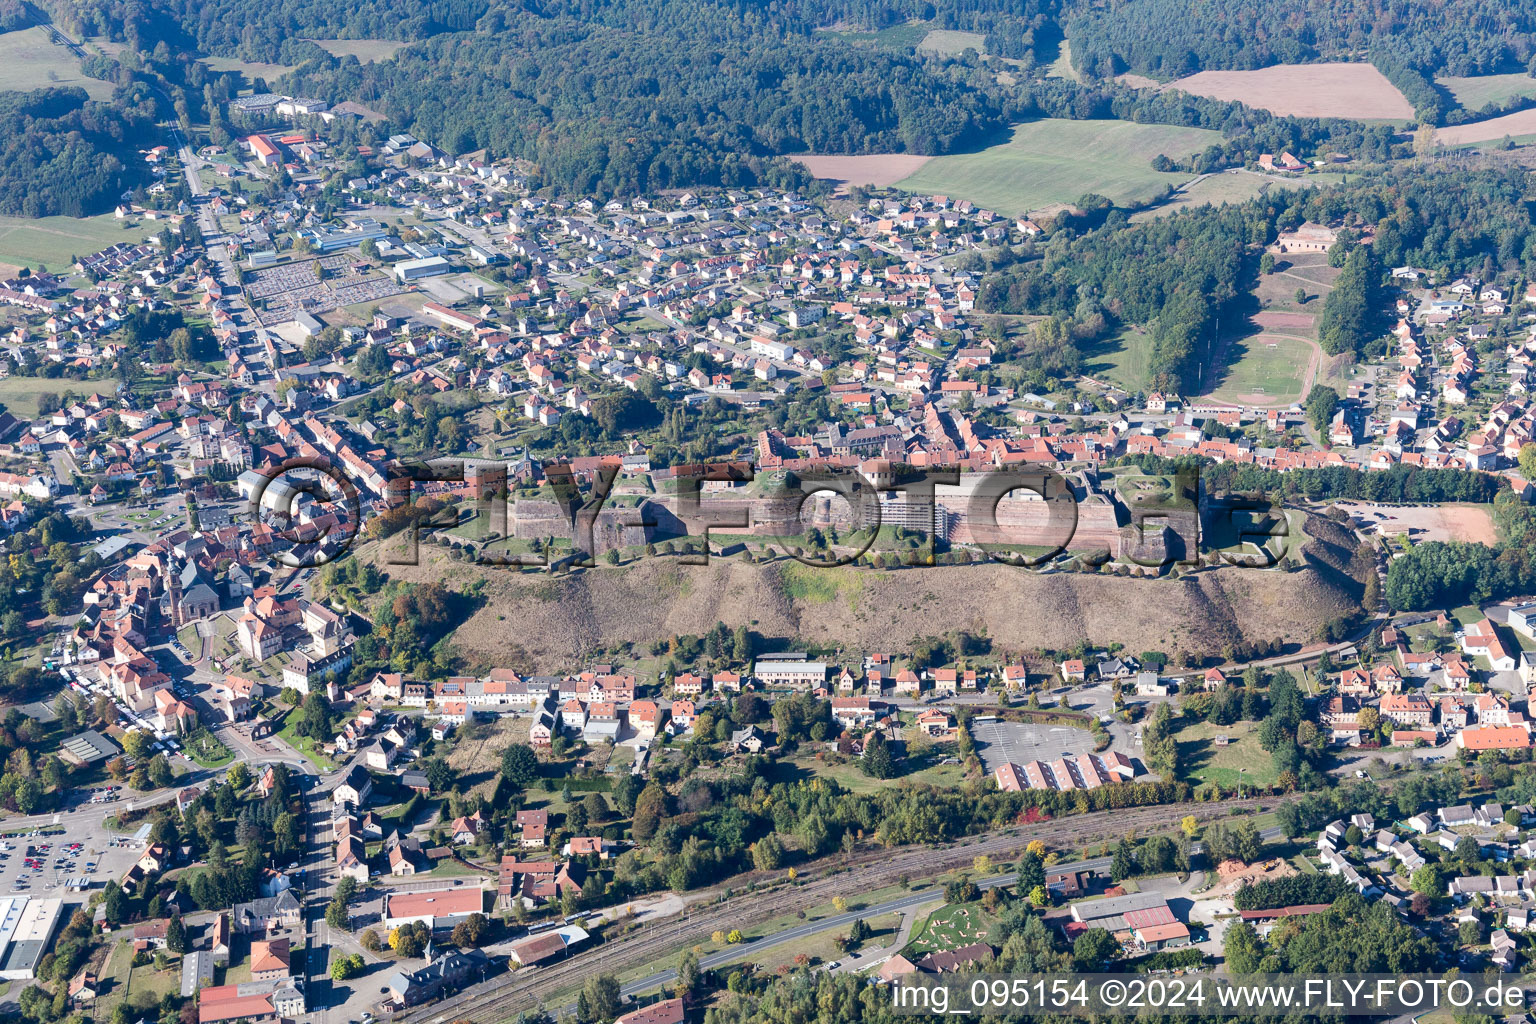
897	37
365	50
822	947
1124	359
206	750
1263	368
851	778
114	978
249	70
303	744
20	394
30	60
949	927
1467	614
51	241
949	41
142	987
1062	67
1218	189
1052	161
450	868
821	586
1477	92
1241	760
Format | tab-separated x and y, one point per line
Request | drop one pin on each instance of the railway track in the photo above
504	997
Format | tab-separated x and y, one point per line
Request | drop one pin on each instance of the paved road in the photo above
797	932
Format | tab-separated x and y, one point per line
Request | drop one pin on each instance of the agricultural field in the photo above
1241	759
30	60
20	394
51	241
1516	125
365	50
877	169
1356	91
1477	92
952	43
1052	162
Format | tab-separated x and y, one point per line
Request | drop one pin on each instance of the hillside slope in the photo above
535	622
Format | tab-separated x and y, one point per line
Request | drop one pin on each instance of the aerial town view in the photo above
739	513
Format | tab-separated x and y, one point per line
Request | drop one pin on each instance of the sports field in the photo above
1054	162
1264	369
1476	93
51	241
30	60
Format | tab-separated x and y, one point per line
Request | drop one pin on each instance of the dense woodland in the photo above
671	93
62	153
1172	38
13	15
1189	276
1444	574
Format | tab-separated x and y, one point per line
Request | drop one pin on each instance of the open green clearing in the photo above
897	37
1053	162
1219	189
1263	368
30	60
20	394
950	927
365	50
266	72
1241	760
1476	93
1124	359
51	241
1062	67
950	42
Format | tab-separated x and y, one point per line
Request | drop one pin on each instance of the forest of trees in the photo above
1177	275
1184	276
1444	574
669	93
13	15
1173	38
62	153
1352	314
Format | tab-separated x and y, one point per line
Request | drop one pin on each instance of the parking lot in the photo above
1000	742
43	861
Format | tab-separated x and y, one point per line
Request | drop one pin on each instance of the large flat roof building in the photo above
26	933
